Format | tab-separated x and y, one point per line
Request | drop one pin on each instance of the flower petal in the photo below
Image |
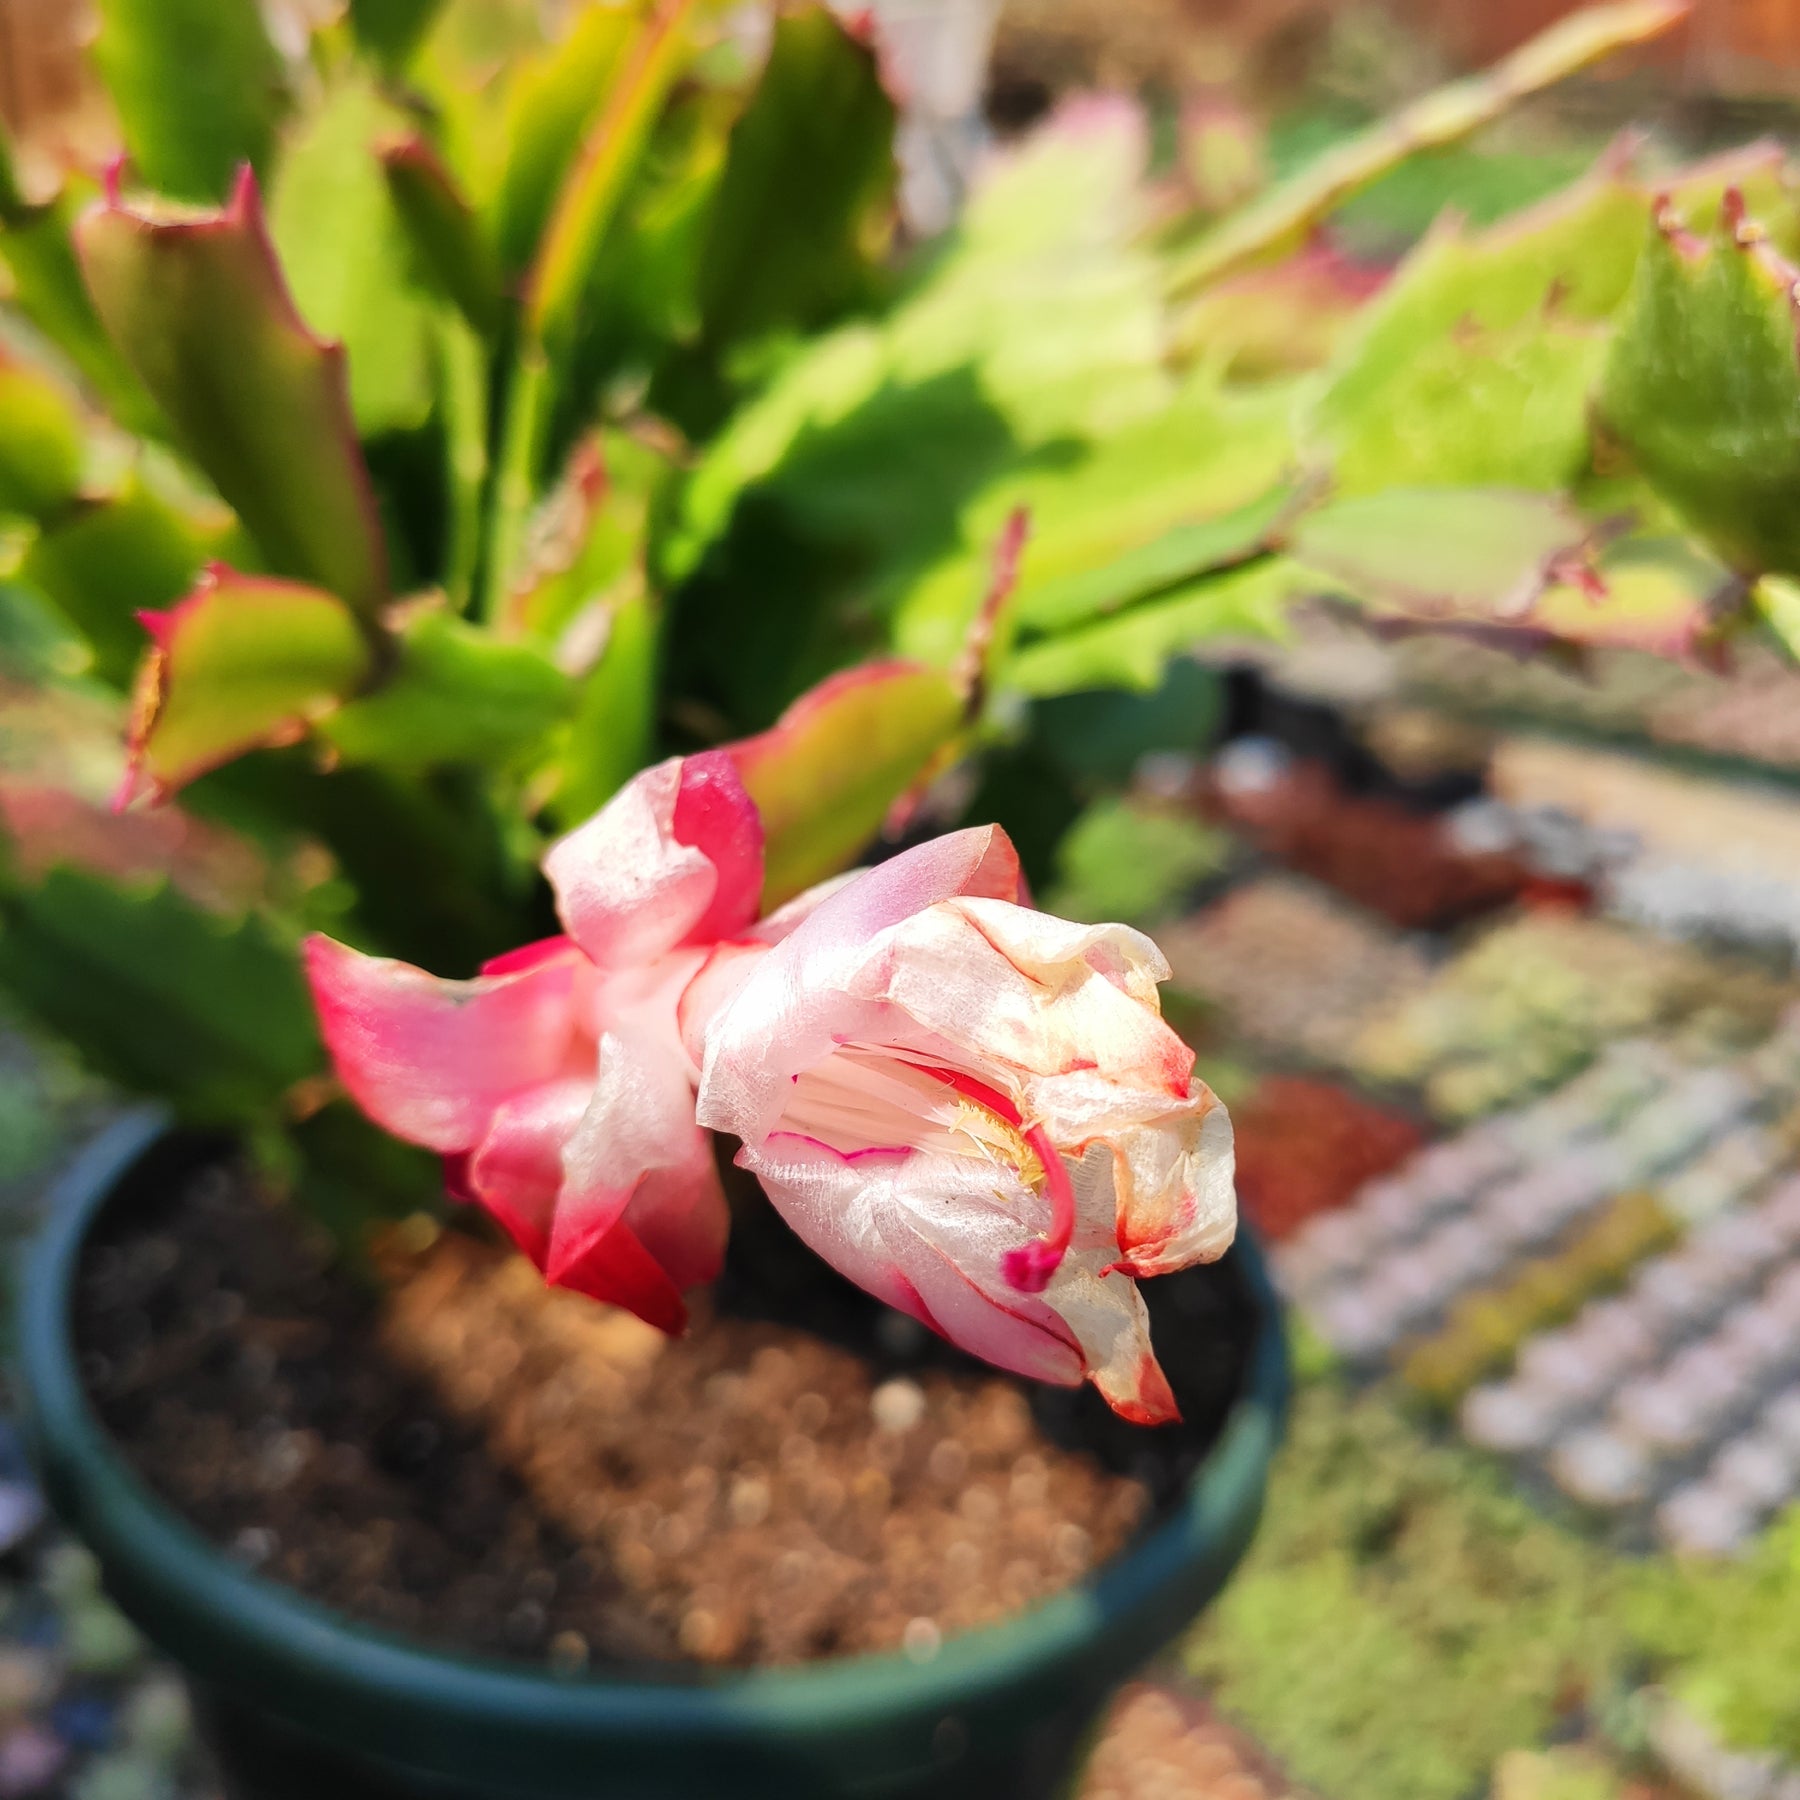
637	1158
517	1170
785	1016
432	1060
906	1228
675	857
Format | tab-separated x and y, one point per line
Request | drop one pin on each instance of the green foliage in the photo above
1128	860
1723	1636
1703	388
198	86
808	178
1392	1581
201	310
161	996
579	409
351	281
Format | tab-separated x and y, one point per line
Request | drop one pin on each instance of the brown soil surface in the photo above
462	1455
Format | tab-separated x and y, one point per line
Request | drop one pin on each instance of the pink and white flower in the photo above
555	1084
976	1112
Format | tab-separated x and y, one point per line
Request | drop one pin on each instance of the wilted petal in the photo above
675	857
432	1060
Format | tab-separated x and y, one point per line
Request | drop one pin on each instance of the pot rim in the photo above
127	1525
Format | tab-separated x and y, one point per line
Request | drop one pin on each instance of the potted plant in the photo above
578	496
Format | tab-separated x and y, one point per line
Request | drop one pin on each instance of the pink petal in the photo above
517	1170
620	1271
716	817
791	1010
431	1060
675	857
638	1158
906	1228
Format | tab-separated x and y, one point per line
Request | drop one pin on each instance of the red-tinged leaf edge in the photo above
151	691
243	216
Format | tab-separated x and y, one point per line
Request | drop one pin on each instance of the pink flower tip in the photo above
1030	1266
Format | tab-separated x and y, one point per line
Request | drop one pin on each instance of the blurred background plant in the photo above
655	408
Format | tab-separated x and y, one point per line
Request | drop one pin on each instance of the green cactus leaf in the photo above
602	169
1703	389
612	731
40	442
551	101
808	179
157	994
241	663
200	309
392	29
106	560
1134	648
1280	218
1481	554
447	239
457	694
344	251
198	88
47	289
825	775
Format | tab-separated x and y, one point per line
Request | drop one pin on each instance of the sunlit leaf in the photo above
341	246
455	695
198	88
199	307
40	441
808	177
1134	647
1280	218
1484	554
1703	388
242	663
826	773
108	559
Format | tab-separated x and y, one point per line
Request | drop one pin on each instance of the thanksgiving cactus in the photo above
426	423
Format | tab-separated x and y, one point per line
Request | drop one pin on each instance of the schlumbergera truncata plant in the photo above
451	456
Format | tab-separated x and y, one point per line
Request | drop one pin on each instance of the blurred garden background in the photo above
1472	835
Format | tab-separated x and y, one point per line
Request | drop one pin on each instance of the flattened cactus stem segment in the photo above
591	195
197	303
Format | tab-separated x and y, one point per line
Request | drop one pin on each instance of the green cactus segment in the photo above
808	180
551	102
40	442
1134	647
162	997
200	309
611	734
104	560
392	29
353	282
609	155
448	242
1282	217
1703	388
456	695
1481	555
826	774
241	663
1177	557
198	86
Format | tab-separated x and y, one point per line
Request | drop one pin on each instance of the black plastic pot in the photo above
303	1704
